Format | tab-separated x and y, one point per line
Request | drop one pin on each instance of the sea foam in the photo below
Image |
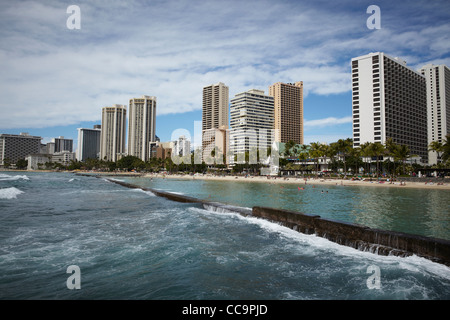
6	177
144	191
9	193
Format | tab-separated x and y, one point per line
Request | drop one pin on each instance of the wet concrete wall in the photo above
382	242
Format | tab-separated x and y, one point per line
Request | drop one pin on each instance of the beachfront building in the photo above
63	157
141	127
14	147
49	148
215	106
251	122
39	161
215	121
389	101
182	146
62	144
288	111
112	142
438	105
215	145
88	143
162	152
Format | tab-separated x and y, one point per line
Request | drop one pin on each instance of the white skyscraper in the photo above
251	121
438	102
112	145
389	101
141	126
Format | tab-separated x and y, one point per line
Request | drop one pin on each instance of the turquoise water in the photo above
417	211
131	244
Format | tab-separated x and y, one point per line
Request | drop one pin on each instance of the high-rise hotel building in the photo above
112	145
215	133
89	143
288	106
141	126
62	144
389	100
251	121
438	101
14	147
215	106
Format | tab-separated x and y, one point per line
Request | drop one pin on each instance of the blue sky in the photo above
55	80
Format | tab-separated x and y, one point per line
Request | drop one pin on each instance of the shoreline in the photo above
272	180
309	181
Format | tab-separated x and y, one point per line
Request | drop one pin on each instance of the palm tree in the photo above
446	148
344	148
366	152
437	147
377	150
288	146
330	152
356	155
403	153
392	149
323	152
303	154
316	153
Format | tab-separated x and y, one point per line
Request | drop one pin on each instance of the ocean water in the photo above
131	244
418	211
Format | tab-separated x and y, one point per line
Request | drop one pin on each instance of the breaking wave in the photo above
9	193
6	177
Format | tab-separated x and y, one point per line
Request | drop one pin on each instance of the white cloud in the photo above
330	121
171	49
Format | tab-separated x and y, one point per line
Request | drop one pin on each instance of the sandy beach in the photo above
430	184
309	181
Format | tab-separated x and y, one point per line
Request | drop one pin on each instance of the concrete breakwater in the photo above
382	242
377	241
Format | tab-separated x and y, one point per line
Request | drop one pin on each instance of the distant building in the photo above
63	157
50	148
88	143
43	148
62	144
112	144
215	145
163	153
288	111
215	120
438	105
182	146
389	101
251	121
215	106
141	126
15	147
38	161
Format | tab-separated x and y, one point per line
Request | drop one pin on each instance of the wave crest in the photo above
10	193
7	177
